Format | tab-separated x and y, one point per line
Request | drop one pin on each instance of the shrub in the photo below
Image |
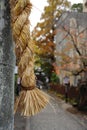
55	78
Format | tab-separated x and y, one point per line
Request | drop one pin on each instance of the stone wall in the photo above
7	63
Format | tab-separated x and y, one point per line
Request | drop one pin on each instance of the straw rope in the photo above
31	99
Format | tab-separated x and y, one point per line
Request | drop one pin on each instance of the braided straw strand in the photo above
31	100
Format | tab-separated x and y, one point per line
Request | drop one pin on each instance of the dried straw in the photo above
31	99
33	102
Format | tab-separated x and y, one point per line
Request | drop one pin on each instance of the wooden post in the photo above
7	64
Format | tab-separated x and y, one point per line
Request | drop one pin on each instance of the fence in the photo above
72	91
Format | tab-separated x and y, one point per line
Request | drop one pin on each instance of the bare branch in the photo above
75	46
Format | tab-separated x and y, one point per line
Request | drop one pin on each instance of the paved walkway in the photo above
54	117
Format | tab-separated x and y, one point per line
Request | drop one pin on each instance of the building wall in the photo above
73	21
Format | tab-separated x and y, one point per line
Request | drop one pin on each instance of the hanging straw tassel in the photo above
31	99
31	102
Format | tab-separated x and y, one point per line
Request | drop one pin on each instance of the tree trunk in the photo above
7	63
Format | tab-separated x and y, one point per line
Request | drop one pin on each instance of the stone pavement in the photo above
66	106
53	117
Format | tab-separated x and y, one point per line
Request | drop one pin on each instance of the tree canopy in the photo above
44	32
77	7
